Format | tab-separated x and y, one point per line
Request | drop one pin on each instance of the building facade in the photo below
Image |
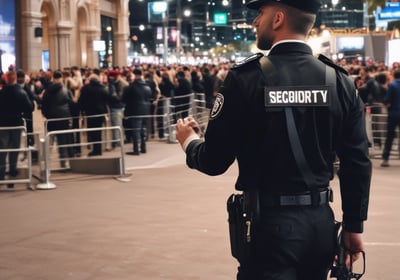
64	33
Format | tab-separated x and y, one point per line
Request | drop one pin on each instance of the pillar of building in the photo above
92	59
121	36
53	47
65	46
93	32
120	49
30	58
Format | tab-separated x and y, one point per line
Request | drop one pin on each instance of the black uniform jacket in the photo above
56	102
137	98
14	101
94	98
242	128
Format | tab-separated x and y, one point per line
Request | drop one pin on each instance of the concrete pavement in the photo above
167	222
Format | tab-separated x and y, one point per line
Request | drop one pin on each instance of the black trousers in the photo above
292	243
95	136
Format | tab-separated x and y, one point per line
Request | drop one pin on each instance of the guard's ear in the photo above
278	20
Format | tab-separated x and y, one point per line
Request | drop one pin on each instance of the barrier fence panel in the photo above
376	126
200	112
162	121
182	106
64	142
9	153
59	144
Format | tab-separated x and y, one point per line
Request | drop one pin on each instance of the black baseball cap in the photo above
309	6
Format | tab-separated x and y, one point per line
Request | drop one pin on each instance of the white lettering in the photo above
315	95
272	98
279	97
303	96
292	97
300	96
285	97
324	94
308	96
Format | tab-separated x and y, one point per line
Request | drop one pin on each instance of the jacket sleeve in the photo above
219	150
355	165
26	103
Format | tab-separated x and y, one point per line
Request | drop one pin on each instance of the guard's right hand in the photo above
185	128
354	246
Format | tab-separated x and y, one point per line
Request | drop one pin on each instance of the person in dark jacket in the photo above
56	103
155	95
183	89
197	82
116	87
378	109
209	78
14	101
74	82
137	109
23	82
94	100
284	118
392	101
167	90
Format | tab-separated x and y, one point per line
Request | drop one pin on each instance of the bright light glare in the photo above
160	7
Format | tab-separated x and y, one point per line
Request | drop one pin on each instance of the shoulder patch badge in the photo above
218	104
251	58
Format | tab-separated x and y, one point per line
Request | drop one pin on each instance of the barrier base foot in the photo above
123	178
45	186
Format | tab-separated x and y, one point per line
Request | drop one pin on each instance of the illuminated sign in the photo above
349	43
157	10
220	19
99	45
391	11
7	34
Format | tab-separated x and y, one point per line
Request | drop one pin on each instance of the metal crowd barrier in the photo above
24	148
167	111
49	144
172	109
376	126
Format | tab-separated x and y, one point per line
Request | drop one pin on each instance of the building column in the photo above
93	33
65	45
92	55
29	58
120	49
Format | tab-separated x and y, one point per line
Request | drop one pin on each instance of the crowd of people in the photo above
378	86
132	95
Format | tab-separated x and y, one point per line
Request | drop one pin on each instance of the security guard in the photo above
295	229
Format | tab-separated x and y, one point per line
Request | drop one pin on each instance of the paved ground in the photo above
167	222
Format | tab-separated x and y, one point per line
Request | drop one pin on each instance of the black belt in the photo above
301	199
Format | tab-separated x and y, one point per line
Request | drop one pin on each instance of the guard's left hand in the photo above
185	128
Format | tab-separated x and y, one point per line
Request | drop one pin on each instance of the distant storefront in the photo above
37	34
390	13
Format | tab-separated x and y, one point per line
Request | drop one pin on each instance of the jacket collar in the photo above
290	47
